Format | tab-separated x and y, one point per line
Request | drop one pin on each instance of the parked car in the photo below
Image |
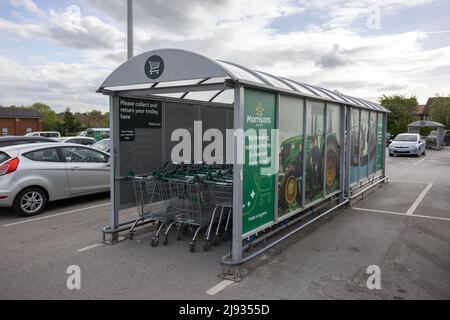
102	145
407	143
6	141
85	141
47	134
31	175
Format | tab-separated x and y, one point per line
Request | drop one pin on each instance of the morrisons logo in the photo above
259	118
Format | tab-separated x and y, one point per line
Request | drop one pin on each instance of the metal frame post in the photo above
325	133
236	244
114	169
276	156
383	144
343	145
304	153
348	148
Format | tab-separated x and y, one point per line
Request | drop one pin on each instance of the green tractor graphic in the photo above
291	165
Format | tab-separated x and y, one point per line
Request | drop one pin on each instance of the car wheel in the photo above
30	202
391	154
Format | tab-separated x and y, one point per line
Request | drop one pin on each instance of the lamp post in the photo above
130	52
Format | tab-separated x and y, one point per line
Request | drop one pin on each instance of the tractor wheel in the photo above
332	169
289	189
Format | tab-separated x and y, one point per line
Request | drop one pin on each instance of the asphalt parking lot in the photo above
403	227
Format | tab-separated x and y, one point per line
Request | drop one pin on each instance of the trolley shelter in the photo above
327	143
438	141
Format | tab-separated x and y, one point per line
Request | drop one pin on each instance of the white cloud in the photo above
28	5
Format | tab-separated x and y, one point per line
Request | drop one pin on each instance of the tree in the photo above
440	110
401	115
69	123
50	119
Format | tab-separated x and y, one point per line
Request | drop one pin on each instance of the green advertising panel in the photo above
333	147
290	171
380	142
258	175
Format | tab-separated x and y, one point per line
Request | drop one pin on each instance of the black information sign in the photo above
138	113
127	134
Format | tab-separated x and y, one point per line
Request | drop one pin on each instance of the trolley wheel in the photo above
216	240
192	246
155	241
166	240
207	245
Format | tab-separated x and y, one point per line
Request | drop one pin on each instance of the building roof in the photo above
191	72
421	110
12	112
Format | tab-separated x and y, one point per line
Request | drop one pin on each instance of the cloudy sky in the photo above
58	52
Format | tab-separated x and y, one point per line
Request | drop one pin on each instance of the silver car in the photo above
31	175
407	143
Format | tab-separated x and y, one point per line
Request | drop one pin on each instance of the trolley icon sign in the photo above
154	67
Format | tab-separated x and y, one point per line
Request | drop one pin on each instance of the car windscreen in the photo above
101	145
433	133
3	157
406	137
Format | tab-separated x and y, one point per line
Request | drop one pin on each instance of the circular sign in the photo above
154	67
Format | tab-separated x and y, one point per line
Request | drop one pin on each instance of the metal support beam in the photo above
114	163
236	246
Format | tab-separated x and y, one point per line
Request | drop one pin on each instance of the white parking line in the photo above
419	199
56	214
404	181
90	247
219	287
416	163
402	214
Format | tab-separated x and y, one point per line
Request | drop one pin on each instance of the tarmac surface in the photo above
403	228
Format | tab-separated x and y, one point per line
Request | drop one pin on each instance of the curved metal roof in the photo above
188	69
425	123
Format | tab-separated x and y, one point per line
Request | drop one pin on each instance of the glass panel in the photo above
290	171
380	141
333	147
170	95
241	73
364	144
201	95
215	80
275	82
315	125
225	97
354	162
298	87
372	142
317	91
189	82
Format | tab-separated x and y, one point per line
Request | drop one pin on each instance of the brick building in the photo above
16	121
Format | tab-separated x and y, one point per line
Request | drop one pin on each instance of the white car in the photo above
31	175
47	134
407	143
85	141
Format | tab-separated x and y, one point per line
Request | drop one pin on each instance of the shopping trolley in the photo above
152	194
221	192
191	206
